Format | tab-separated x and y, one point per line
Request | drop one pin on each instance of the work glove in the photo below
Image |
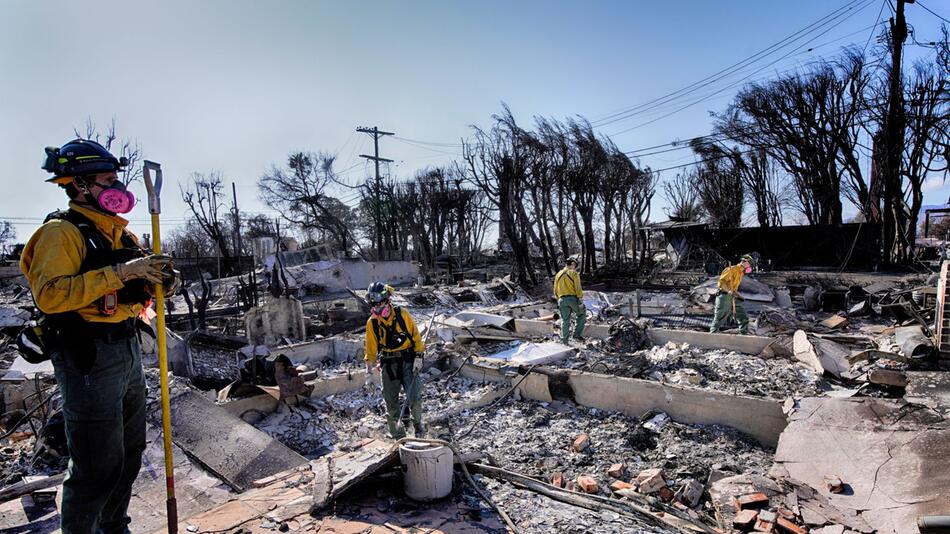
171	282
373	377
417	364
148	268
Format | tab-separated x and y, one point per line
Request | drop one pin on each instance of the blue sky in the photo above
235	85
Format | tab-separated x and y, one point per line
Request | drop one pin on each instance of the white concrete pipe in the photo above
428	470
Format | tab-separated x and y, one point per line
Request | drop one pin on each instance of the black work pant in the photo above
105	431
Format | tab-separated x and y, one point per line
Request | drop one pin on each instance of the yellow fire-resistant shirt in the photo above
373	344
51	261
567	283
731	277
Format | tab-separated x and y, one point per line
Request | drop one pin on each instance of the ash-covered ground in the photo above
535	439
319	426
531	438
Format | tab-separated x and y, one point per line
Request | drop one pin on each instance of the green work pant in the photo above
724	308
392	384
571	305
105	434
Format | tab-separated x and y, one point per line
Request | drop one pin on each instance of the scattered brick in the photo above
834	483
651	480
745	519
787	526
835	321
557	479
666	494
620	485
581	442
615	471
752	501
764	526
786	513
588	484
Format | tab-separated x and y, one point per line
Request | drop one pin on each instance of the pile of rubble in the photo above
563	442
320	425
722	370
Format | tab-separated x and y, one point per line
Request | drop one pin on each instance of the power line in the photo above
411	143
433	143
709	96
871	36
723	73
737	82
842	11
932	12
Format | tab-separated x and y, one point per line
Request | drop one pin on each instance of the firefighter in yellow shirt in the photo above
393	341
91	279
569	295
728	300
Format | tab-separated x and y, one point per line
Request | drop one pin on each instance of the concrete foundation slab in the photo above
930	388
890	455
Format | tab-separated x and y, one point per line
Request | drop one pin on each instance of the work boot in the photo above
396	431
418	430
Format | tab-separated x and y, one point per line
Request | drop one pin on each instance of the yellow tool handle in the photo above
163	376
154	207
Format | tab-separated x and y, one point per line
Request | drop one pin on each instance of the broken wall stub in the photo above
762	419
535	386
339	275
738	343
274	320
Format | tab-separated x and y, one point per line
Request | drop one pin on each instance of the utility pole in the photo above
236	215
377	201
893	137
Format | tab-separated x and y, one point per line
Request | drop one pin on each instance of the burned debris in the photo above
650	423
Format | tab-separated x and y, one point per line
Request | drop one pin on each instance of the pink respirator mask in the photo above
380	311
116	199
748	270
